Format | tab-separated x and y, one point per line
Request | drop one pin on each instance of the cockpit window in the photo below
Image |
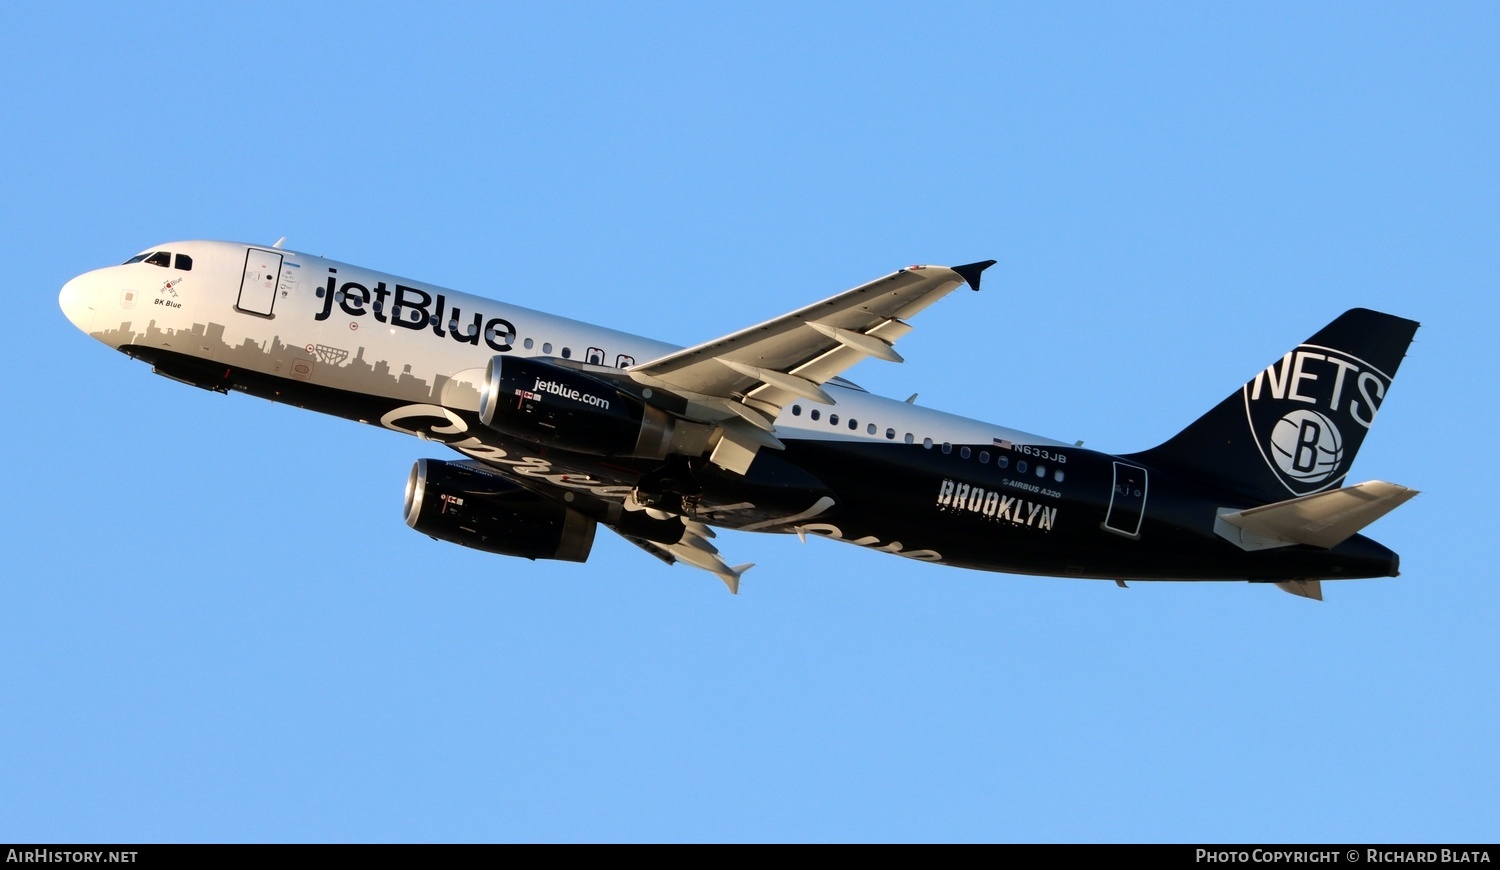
136	259
184	263
160	258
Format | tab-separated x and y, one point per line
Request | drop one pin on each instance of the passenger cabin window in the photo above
160	258
184	263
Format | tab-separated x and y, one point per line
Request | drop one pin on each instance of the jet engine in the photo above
463	504
561	407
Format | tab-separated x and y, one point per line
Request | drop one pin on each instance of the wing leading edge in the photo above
742	380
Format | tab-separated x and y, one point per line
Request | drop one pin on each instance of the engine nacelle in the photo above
464	505
547	404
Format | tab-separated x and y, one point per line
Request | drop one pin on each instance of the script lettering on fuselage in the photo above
415	309
956	497
423	422
828	530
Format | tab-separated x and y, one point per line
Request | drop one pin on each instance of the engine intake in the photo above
465	505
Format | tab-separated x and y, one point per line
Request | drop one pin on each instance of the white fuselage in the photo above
336	325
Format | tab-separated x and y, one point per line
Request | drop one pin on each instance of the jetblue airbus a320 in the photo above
564	427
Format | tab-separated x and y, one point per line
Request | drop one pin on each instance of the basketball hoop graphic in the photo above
331	355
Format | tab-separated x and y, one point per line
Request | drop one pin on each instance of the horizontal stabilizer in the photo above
1324	519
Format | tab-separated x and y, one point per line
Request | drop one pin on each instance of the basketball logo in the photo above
1307	446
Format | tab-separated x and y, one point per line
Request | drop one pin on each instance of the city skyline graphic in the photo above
322	364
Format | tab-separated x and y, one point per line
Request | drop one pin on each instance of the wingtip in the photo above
731	577
970	272
1311	589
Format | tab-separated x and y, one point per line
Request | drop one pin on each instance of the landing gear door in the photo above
258	287
1127	503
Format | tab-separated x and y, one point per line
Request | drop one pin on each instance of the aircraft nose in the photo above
74	302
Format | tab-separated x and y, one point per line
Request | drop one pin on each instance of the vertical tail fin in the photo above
1294	428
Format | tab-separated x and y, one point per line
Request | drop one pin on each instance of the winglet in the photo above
1304	588
731	576
972	271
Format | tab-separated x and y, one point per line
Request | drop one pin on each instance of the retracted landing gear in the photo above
672	487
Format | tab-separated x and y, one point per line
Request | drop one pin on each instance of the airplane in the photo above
565	426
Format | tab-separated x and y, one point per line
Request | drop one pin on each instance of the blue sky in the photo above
215	626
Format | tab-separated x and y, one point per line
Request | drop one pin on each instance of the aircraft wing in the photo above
695	549
744	379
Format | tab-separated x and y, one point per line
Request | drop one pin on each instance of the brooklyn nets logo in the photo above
1307	446
1309	413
